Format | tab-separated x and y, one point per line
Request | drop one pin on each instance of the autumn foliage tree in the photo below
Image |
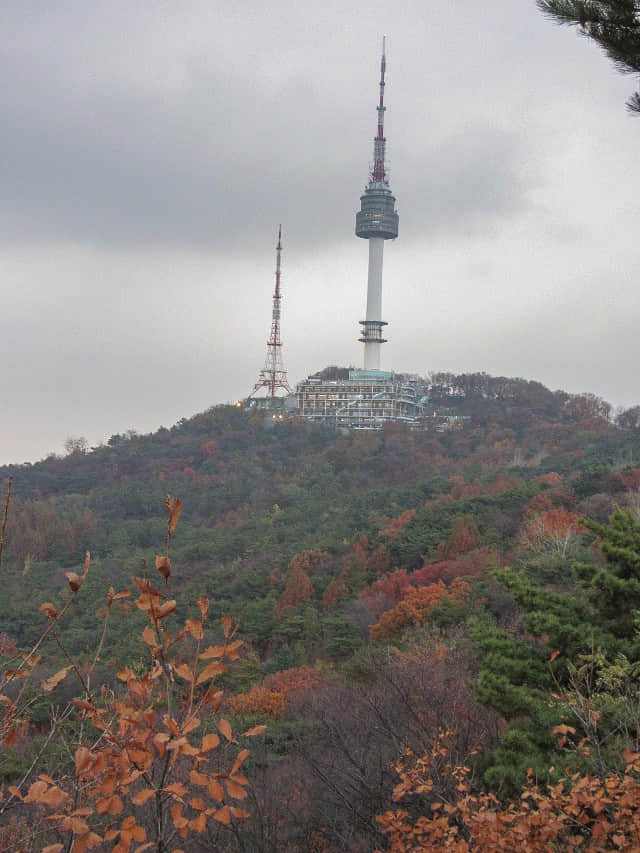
416	606
147	766
577	813
299	588
551	532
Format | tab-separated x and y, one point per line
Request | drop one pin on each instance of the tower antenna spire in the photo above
376	221
273	376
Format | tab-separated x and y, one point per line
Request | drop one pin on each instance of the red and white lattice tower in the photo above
273	375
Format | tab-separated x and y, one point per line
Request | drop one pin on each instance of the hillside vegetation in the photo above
446	613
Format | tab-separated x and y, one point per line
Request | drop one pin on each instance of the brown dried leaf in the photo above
239	813
51	683
194	627
109	805
210	671
184	671
149	636
163	565
209	742
199	779
212	652
83	759
177	789
166	610
199	823
216	791
126	674
226	625
53	848
256	730
179	820
225	729
236	791
241	758
174	509
191	724
74	580
203	604
49	609
223	815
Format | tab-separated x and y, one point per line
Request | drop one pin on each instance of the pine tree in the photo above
613	24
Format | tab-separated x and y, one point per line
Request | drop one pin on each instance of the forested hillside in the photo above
446	612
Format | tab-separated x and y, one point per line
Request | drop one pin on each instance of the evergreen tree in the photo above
613	24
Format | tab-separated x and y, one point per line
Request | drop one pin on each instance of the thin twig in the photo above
4	517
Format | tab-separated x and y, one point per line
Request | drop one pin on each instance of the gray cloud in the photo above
149	151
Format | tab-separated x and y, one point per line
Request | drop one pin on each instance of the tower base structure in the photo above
368	399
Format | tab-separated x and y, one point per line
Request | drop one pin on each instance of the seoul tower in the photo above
273	375
376	222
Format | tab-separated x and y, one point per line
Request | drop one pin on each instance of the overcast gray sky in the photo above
150	149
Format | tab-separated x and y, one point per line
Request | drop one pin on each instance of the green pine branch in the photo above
613	24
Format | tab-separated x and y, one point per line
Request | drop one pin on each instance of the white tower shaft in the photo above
374	301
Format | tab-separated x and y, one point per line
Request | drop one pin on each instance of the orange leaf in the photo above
215	790
184	671
235	791
199	823
53	682
226	625
190	725
149	636
74	580
194	627
174	509
49	609
54	797
13	789
240	813
554	656
179	820
125	674
223	815
83	759
209	742
203	604
177	788
225	729
163	565
256	730
212	652
210	671
166	610
242	757
197	778
109	805
53	848
142	796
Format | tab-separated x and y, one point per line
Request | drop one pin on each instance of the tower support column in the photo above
374	303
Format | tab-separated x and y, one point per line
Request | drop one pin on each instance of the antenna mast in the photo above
273	375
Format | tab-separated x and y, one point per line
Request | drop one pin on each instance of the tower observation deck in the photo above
376	221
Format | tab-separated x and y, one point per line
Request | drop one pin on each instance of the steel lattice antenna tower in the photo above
376	222
273	375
